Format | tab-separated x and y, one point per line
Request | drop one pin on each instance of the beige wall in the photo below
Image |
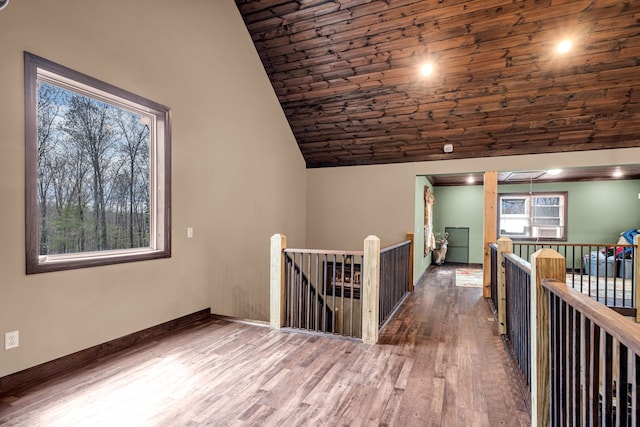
238	176
347	204
344	205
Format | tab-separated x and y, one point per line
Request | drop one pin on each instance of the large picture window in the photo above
97	171
533	216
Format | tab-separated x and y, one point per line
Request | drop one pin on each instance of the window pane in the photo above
513	207
539	211
533	215
98	181
546	221
514	227
546	201
93	175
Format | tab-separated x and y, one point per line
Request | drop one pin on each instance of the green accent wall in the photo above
461	206
598	211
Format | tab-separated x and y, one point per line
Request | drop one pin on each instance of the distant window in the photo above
97	171
538	216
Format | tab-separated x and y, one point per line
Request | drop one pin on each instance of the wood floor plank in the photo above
440	362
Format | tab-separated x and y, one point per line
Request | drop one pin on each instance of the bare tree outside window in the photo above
97	171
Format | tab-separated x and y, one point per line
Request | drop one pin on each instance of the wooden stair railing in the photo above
345	299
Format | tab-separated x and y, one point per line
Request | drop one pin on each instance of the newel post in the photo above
370	290
411	236
276	277
505	245
545	264
636	275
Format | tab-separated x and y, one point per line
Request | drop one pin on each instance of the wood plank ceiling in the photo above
346	73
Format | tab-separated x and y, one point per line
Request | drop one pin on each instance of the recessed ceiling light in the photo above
554	172
564	46
471	179
426	69
617	173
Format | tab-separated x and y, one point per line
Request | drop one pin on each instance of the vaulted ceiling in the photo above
347	74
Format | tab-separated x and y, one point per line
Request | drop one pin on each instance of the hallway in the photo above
462	373
439	363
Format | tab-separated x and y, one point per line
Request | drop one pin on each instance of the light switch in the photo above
190	232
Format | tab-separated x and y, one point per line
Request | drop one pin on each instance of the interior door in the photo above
458	250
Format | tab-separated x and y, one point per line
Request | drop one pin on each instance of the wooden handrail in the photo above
395	245
322	252
552	305
615	324
522	264
369	262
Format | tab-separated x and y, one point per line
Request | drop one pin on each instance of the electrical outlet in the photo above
11	340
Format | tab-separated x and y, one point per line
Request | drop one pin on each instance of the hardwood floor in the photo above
439	363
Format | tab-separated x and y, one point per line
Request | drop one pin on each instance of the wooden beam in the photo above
490	226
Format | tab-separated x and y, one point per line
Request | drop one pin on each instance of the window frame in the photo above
529	209
160	179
